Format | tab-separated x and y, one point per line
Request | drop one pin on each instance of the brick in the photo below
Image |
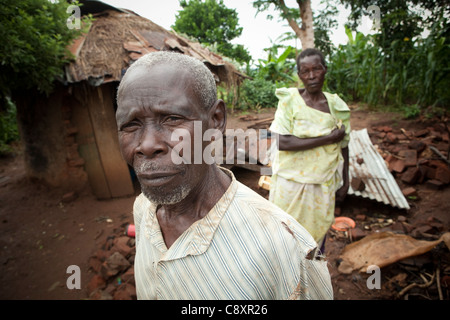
417	145
397	165
410	191
125	292
96	282
411	175
421	133
434	184
391	138
410	156
95	264
128	276
443	174
384	129
357	233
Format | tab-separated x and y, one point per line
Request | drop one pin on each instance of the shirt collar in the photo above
197	238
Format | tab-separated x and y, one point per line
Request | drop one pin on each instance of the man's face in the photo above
312	73
153	104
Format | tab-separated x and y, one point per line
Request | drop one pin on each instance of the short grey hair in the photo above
204	82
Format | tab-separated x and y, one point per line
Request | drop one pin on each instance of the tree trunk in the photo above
307	23
306	32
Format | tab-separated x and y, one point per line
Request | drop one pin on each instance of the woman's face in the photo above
312	73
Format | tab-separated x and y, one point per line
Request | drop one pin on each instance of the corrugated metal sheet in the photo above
380	185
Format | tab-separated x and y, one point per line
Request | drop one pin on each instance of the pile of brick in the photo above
113	269
416	156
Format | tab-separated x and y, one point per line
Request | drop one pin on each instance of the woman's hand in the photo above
337	134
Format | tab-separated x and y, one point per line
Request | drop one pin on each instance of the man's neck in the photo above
176	218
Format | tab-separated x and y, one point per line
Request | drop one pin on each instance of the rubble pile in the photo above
113	269
415	157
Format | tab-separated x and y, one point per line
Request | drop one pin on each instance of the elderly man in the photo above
200	234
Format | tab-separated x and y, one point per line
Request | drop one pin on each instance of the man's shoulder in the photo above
271	217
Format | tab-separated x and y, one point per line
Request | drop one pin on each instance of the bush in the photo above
8	127
257	93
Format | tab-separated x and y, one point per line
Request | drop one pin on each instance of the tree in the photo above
34	37
305	32
212	23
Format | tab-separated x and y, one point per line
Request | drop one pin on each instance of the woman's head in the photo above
312	69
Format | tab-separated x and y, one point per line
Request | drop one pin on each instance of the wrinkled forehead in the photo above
311	60
163	76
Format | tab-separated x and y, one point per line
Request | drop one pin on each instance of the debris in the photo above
384	248
343	224
264	182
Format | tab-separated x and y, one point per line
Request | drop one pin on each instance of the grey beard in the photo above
159	196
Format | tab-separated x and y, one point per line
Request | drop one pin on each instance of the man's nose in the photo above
151	142
311	75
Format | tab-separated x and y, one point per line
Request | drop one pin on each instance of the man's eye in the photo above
173	119
130	126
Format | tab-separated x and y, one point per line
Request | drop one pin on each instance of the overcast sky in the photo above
258	32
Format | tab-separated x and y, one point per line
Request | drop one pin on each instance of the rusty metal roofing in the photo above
371	168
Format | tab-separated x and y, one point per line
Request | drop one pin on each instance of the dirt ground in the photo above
43	234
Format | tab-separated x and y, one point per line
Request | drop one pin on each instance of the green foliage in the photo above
8	127
410	73
278	70
257	93
34	37
212	23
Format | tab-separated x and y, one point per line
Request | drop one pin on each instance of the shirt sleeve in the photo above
282	123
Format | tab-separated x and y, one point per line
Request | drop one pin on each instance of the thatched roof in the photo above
118	37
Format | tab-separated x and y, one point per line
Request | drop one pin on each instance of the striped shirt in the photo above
244	248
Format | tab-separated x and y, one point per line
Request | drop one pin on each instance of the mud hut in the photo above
70	138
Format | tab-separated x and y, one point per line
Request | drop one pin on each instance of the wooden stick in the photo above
426	284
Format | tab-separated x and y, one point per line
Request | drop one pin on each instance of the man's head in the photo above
311	68
161	94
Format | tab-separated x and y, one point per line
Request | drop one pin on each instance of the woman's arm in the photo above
293	143
342	191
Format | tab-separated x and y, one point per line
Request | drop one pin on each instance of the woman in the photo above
310	169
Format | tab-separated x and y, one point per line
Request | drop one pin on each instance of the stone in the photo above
113	265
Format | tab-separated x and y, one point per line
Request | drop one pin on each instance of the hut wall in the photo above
47	137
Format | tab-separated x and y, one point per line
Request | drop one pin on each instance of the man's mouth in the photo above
156	179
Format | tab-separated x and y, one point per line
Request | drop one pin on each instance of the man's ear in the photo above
218	116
